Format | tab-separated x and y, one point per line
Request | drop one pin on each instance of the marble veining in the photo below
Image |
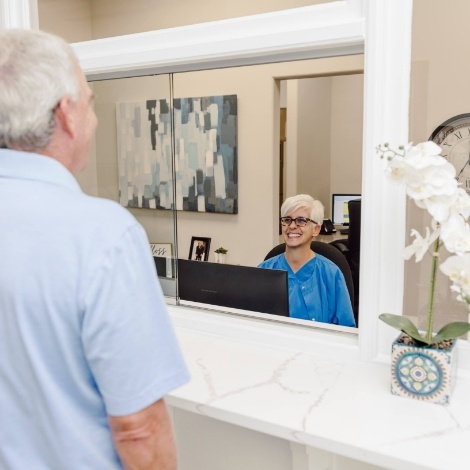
344	407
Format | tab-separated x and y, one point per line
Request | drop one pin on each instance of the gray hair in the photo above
315	207
37	70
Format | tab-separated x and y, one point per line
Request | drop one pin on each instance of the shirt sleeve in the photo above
344	313
127	334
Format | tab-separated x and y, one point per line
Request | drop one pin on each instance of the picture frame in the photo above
199	250
162	254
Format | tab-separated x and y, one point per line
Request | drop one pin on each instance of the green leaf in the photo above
451	331
405	325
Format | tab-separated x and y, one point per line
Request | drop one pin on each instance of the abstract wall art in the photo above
144	154
206	158
206	154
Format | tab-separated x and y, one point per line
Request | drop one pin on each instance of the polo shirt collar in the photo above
32	166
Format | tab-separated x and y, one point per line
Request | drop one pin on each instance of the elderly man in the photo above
87	351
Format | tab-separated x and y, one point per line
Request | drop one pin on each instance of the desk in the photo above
333	236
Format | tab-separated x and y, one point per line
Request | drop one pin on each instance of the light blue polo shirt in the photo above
84	330
317	291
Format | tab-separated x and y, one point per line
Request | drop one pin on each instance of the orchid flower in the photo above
431	183
455	234
420	245
462	204
457	268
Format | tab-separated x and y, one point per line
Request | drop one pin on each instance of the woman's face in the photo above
295	236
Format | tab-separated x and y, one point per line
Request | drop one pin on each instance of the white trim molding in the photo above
18	14
386	109
324	30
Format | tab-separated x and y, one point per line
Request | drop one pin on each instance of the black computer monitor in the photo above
165	266
339	207
227	285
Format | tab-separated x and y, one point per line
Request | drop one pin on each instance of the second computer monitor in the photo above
339	207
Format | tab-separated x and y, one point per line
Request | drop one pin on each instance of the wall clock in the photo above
453	136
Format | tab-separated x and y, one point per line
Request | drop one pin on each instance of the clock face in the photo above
453	136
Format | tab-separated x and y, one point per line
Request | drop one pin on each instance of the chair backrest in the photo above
354	237
354	249
328	251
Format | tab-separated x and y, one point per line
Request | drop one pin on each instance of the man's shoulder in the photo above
101	219
106	209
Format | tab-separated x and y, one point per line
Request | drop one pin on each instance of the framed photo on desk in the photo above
199	250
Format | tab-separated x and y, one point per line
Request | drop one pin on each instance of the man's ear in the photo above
64	114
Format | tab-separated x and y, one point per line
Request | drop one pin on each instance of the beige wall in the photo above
313	139
105	18
71	19
324	137
440	63
330	137
346	133
158	224
439	90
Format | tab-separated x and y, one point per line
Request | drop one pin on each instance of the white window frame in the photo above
379	29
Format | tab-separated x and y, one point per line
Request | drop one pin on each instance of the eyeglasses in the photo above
299	221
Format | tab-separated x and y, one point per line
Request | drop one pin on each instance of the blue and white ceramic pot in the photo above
423	373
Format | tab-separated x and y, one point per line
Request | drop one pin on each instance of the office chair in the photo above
350	247
328	251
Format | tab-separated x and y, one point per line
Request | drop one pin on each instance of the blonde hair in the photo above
315	207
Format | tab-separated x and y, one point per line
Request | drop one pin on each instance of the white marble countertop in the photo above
340	406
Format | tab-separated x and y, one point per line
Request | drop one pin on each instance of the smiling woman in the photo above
317	288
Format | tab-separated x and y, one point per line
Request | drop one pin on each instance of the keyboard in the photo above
344	231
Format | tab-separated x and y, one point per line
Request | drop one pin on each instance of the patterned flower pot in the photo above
423	373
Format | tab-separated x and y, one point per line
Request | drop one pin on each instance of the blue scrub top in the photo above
317	291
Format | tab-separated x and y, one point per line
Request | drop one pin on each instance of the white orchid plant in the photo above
431	182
